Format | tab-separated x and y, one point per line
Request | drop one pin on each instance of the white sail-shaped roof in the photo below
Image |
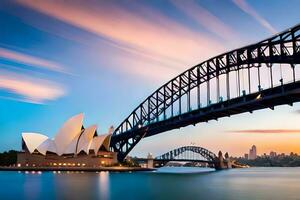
86	138
47	145
70	139
33	140
68	132
71	148
100	140
106	142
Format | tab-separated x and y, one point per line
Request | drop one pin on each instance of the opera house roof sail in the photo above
72	138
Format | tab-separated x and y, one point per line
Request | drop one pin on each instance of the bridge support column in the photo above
228	161
150	161
219	162
223	163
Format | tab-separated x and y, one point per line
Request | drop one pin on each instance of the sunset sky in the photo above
102	58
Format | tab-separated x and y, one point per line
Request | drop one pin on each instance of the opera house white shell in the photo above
72	138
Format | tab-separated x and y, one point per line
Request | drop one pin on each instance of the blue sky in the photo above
103	58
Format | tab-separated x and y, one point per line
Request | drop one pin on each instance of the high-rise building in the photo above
246	156
252	153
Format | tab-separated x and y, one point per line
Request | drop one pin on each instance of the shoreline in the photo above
87	169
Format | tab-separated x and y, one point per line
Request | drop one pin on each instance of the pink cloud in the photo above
205	18
243	5
32	90
145	33
143	67
263	131
30	60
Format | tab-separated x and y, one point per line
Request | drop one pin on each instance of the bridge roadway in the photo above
175	160
268	98
285	94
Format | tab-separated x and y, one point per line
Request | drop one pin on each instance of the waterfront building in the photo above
252	153
246	156
73	145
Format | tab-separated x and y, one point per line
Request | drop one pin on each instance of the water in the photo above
251	183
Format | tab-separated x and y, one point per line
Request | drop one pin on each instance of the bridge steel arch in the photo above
171	155
151	117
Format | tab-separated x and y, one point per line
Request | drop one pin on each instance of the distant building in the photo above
246	156
273	154
252	153
292	154
265	155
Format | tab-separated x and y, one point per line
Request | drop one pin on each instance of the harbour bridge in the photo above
188	153
192	155
257	76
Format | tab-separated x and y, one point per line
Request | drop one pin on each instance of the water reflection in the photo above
104	185
32	185
235	184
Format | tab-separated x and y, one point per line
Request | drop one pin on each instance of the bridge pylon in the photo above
221	162
150	161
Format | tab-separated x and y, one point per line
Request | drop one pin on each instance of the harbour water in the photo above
172	183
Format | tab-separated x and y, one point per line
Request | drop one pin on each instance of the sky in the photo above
103	58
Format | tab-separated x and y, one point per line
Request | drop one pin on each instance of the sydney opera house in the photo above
73	145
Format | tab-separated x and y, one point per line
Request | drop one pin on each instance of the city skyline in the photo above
54	65
270	153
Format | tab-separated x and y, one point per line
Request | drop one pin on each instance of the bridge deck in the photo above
269	98
183	160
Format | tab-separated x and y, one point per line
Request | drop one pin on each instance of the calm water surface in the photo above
252	183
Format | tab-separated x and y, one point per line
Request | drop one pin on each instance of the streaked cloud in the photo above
205	18
263	131
136	66
243	5
145	32
30	89
30	60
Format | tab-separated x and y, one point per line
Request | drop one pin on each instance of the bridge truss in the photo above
188	153
257	76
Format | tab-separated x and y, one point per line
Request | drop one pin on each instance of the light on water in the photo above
104	185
